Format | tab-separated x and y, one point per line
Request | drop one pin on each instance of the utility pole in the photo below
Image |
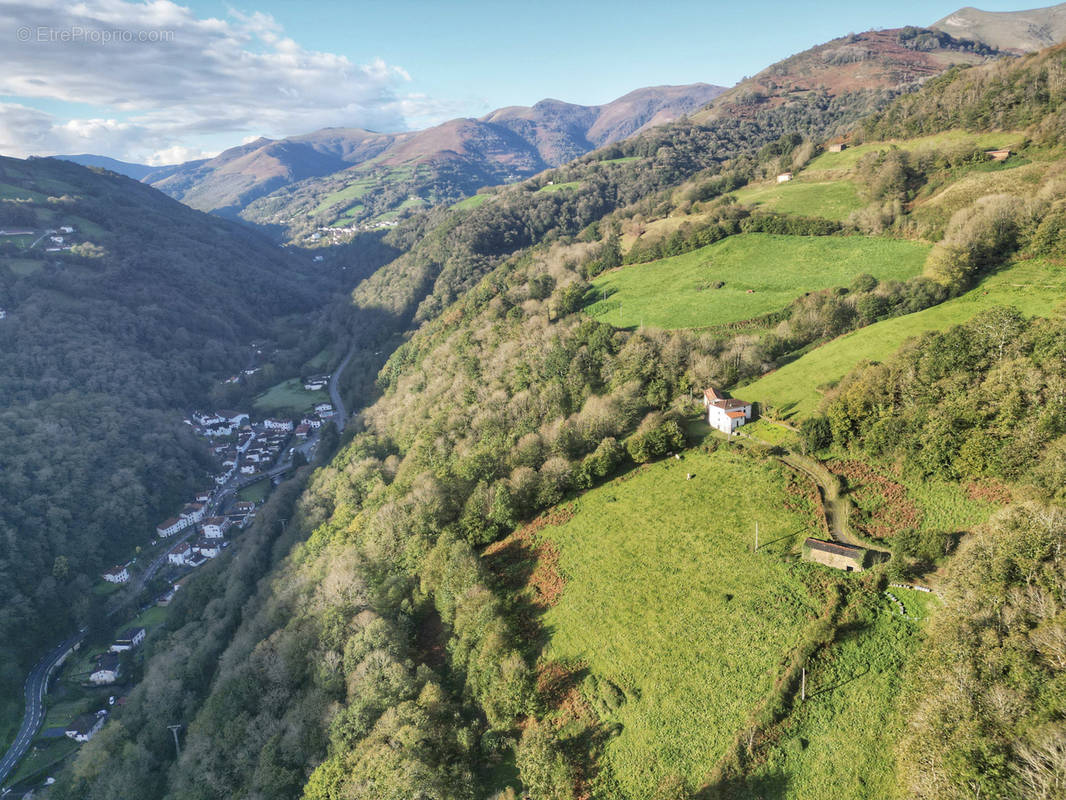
756	536
174	729
803	685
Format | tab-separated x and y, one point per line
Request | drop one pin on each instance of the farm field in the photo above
759	273
353	191
794	391
829	199
472	202
559	187
674	609
849	157
840	743
289	396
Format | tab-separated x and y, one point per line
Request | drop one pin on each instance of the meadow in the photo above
676	611
840	743
758	273
795	390
559	187
289	396
849	157
469	203
254	493
828	199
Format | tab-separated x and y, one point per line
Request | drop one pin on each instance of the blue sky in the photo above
583	52
232	71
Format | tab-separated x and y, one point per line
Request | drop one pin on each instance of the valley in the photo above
707	444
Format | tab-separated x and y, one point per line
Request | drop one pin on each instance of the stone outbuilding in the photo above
834	554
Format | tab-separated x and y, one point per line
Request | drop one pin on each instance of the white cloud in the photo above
170	80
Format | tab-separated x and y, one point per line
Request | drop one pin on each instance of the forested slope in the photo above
103	349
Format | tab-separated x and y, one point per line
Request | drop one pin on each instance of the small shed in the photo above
784	177
836	147
834	554
998	155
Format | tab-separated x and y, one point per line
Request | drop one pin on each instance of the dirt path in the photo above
837	507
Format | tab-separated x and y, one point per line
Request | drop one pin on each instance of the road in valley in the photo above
34	691
340	416
37	681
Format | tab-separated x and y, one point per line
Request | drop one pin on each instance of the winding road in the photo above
34	691
340	416
37	681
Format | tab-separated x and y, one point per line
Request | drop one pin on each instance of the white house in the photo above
206	418
180	554
277	424
219	430
324	409
194	512
3	313
314	423
117	575
107	669
214	527
171	526
129	639
209	548
86	726
784	177
237	418
728	414
710	395
65	229
56	239
204	496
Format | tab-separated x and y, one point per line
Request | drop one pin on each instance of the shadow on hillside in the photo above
752	787
511	564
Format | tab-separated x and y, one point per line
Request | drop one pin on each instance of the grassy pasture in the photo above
678	292
795	390
840	743
468	203
255	492
676	611
351	192
849	157
829	199
289	396
559	187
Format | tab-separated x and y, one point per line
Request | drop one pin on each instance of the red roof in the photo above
168	523
735	414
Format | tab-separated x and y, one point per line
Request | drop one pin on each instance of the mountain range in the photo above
353	179
504	145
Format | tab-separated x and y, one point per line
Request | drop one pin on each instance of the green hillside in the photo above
744	276
794	390
105	346
528	570
638	582
830	199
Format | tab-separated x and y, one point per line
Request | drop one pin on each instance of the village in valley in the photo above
251	456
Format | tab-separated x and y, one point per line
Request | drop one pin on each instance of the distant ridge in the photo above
1014	31
506	144
136	171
